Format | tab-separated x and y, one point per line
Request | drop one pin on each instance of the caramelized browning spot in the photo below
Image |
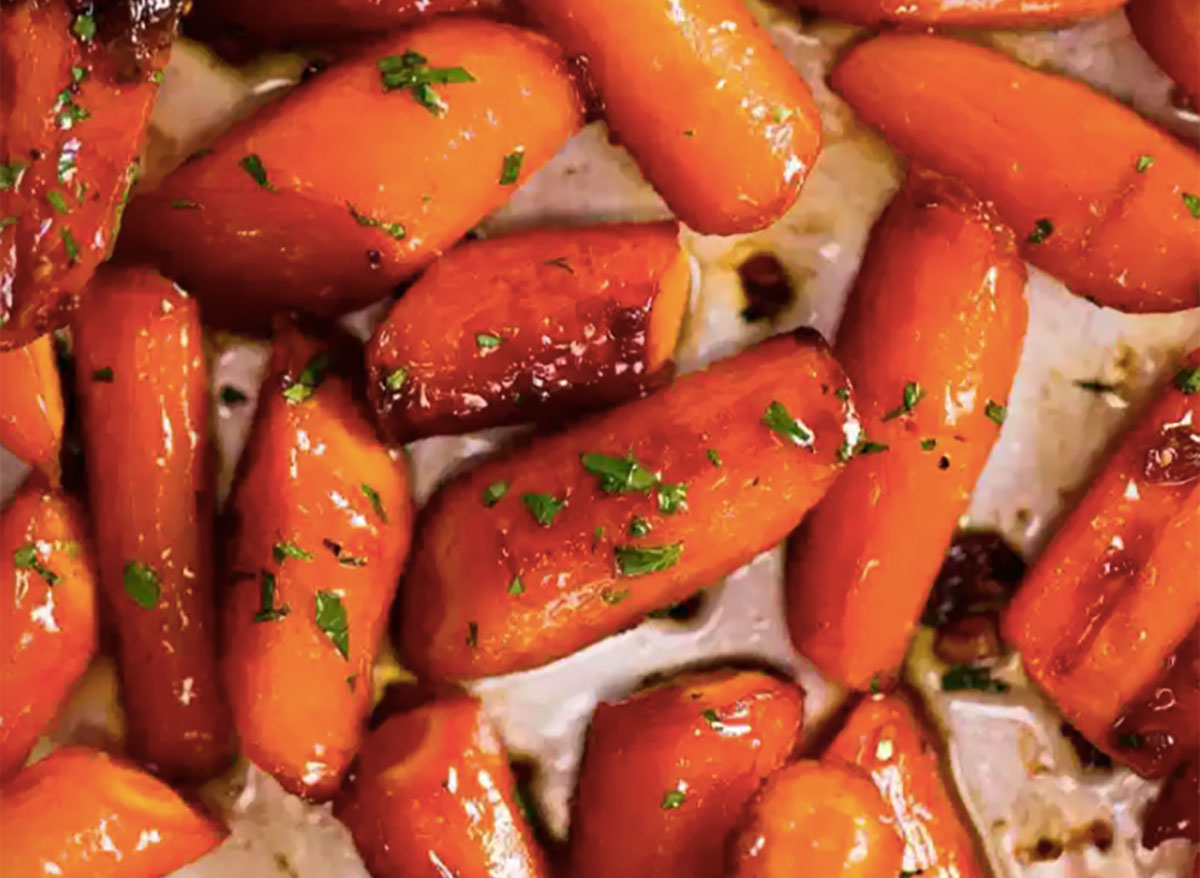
1175	459
979	575
967	641
767	287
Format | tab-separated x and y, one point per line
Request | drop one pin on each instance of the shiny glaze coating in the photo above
531	326
47	613
939	301
310	549
717	119
814	819
667	772
80	813
955	14
76	124
361	187
527	593
31	405
1169	31
884	737
1174	814
1059	160
283	21
142	383
432	794
1114	592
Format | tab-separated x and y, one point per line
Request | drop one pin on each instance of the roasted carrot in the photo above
80	813
79	88
321	518
530	326
31	405
931	337
1169	31
283	21
1114	592
667	771
432	785
360	177
884	737
142	383
1097	196
580	534
719	122
952	14
48	614
814	819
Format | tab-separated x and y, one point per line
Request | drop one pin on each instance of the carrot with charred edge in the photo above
1097	196
74	120
31	405
1169	31
1114	593
80	813
579	535
668	771
931	337
321	516
951	14
433	785
815	819
282	21
530	326
142	382
47	613
686	86
478	107
884	737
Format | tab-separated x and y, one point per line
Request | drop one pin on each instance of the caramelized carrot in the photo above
719	122
80	813
814	819
930	338
580	534
31	405
142	382
47	614
953	14
1169	31
1097	196
283	21
321	515
432	789
530	326
327	199
667	771
79	92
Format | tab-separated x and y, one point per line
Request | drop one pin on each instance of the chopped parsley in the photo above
141	584
183	204
969	677
57	201
396	378
310	379
512	166
331	618
711	717
487	341
103	375
780	420
69	245
618	473
7	221
1187	380
494	492
230	395
1144	163
612	598
913	394
1193	204
928	444
640	560
396	230
267	611
597	534
842	393
1042	229
876	684
27	556
868	447
283	551
1095	386
376	503
671	497
84	27
639	527
68	111
995	412
672	800
515	587
253	166
411	72
714	456
543	507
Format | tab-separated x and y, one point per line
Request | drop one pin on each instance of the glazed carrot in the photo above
361	176
79	92
952	14
667	771
884	737
433	786
282	21
1169	31
931	337
31	405
719	122
814	819
321	515
580	534
1173	813
1097	196
1114	592
142	382
47	614
530	326
79	813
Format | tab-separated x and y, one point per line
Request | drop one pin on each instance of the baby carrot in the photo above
31	405
953	14
284	21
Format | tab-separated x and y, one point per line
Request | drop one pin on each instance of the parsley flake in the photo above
928	444
639	527
868	447
411	72
141	584
487	341
969	677
618	474
27	556
780	420
673	799
376	502
913	394
331	618
267	611
1042	229
1094	386
7	221
543	507
671	497
1187	380
494	492
1193	204
396	230
612	598
310	379
183	204
714	457
995	412
511	170
283	551
1144	163
103	375
396	378
84	27
69	245
515	588
253	166
57	201
641	560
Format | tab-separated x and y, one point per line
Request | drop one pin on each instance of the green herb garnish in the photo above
714	456
376	503
639	527
1143	163
928	444
515	587
1042	229
671	497
995	412
331	618
780	421
141	584
913	394
673	799
27	556
267	611
493	493
103	375
612	598
396	230
487	341
970	677
640	560
411	72
283	551
618	473
69	245
84	27
512	166
1193	204
396	378
310	379
1187	380
543	507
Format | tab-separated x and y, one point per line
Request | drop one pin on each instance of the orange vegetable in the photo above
142	382
718	120
1114	593
667	771
79	92
79	813
580	534
328	198
321	514
47	613
282	21
952	14
814	819
884	737
931	337
31	405
1097	196
1169	31
529	327
433	786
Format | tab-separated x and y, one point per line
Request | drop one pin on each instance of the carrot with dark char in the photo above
31	405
